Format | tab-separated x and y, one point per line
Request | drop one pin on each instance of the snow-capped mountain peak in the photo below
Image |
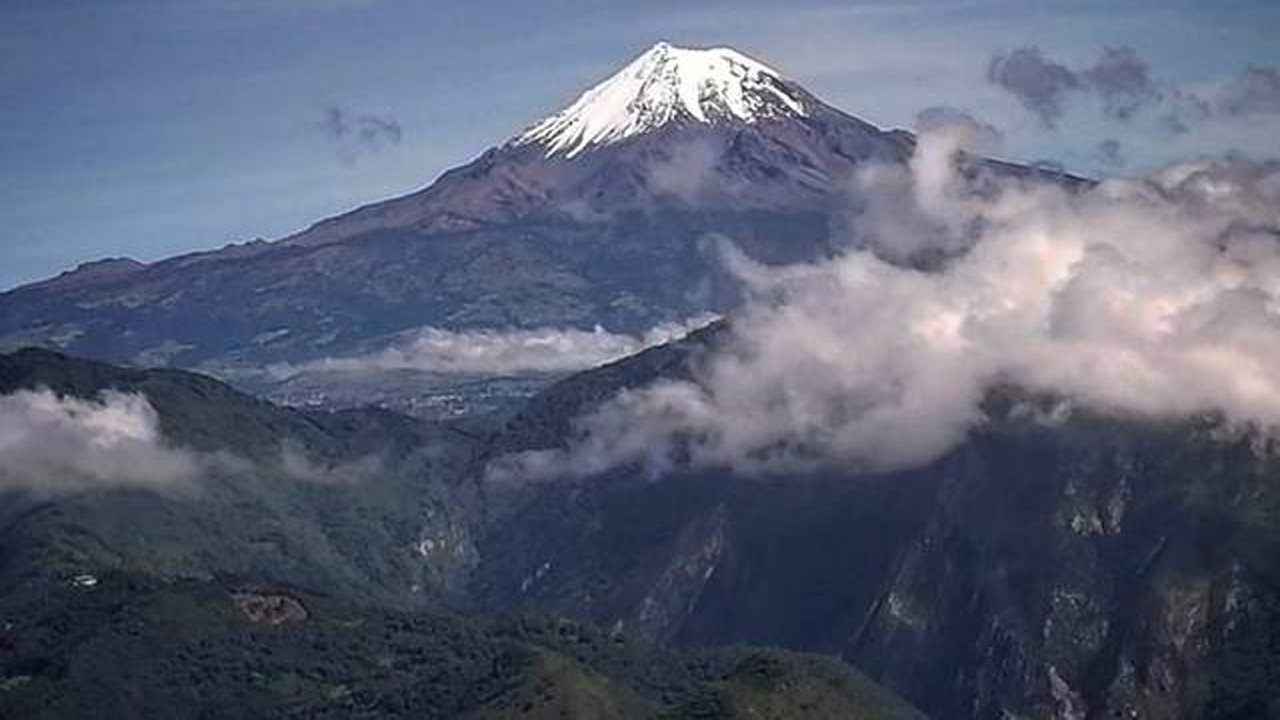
667	84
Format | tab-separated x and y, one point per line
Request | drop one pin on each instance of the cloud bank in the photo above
504	352
1153	296
51	444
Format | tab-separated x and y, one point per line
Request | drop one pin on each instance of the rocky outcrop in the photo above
269	608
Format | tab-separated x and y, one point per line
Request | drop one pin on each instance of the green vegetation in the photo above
132	647
1139	560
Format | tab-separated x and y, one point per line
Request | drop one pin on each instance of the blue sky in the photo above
151	127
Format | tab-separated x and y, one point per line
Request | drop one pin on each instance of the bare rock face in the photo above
269	608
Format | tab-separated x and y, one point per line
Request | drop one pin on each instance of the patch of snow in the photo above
663	85
84	581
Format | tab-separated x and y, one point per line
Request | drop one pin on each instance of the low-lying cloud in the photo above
1152	296
504	352
51	444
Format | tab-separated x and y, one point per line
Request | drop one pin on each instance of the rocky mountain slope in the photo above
605	213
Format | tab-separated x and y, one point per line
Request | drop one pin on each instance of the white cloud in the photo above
503	352
51	444
296	464
1154	296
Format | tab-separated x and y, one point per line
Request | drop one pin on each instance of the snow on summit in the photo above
663	85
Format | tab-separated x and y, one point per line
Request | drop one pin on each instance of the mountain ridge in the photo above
626	236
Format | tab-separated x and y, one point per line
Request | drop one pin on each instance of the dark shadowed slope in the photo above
1097	567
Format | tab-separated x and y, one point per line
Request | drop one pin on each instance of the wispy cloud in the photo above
1038	82
1111	153
969	133
353	134
1123	83
53	445
1119	78
1122	80
299	465
1256	91
503	352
